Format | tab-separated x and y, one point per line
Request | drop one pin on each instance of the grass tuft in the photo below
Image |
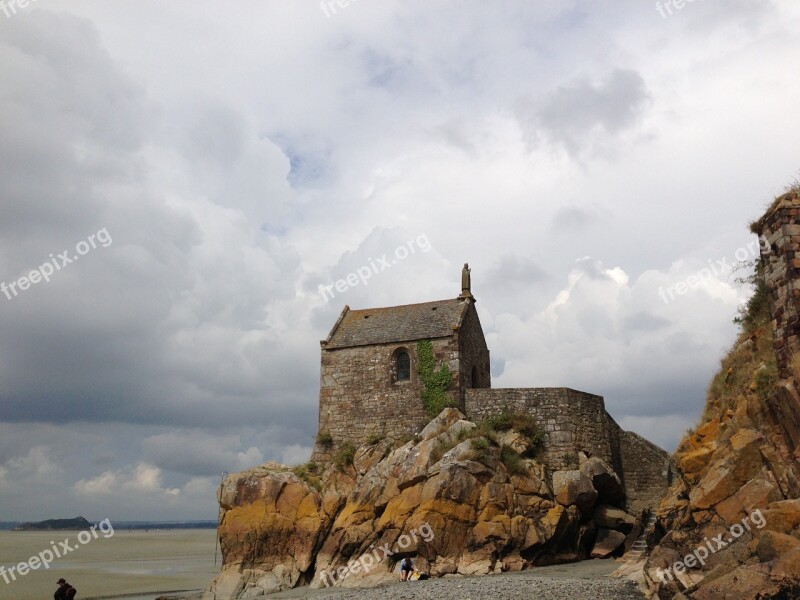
344	457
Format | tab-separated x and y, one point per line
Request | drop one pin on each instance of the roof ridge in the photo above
455	300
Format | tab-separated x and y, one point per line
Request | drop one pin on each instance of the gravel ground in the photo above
579	581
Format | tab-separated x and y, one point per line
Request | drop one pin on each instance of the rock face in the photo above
457	499
731	521
732	518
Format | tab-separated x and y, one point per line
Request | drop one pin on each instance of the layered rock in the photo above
457	499
731	521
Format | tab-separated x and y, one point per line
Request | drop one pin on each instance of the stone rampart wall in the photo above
572	420
779	231
578	422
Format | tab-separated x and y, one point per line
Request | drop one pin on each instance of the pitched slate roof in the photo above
368	326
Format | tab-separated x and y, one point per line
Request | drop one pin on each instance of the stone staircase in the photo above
639	549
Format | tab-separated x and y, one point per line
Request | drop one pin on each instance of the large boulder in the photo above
607	542
574	488
613	518
607	483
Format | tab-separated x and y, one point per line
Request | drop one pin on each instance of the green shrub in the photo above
375	438
325	439
537	443
344	456
480	444
755	313
764	379
509	419
570	459
479	449
465	433
525	424
499	422
308	473
513	461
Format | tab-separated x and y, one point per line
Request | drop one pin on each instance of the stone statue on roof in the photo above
466	282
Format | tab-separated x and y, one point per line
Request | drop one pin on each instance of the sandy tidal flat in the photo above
125	564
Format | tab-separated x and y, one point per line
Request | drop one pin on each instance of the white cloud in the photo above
587	116
104	484
608	334
660	430
201	487
200	452
141	480
295	454
37	465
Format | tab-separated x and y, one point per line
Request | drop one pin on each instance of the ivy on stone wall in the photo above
435	382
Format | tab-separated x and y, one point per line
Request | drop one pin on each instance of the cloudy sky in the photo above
213	164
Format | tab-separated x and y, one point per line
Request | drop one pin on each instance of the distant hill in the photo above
79	523
75	524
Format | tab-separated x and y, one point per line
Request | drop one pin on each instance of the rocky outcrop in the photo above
457	499
731	521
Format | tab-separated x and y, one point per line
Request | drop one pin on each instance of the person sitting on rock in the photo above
406	567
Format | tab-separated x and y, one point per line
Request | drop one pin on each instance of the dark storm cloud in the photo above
513	272
148	329
197	453
70	119
659	398
645	321
584	112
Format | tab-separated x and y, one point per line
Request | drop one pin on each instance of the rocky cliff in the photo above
459	498
731	521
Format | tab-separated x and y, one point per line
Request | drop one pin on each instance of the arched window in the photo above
402	366
474	377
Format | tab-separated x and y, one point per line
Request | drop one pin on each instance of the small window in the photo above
403	366
474	377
